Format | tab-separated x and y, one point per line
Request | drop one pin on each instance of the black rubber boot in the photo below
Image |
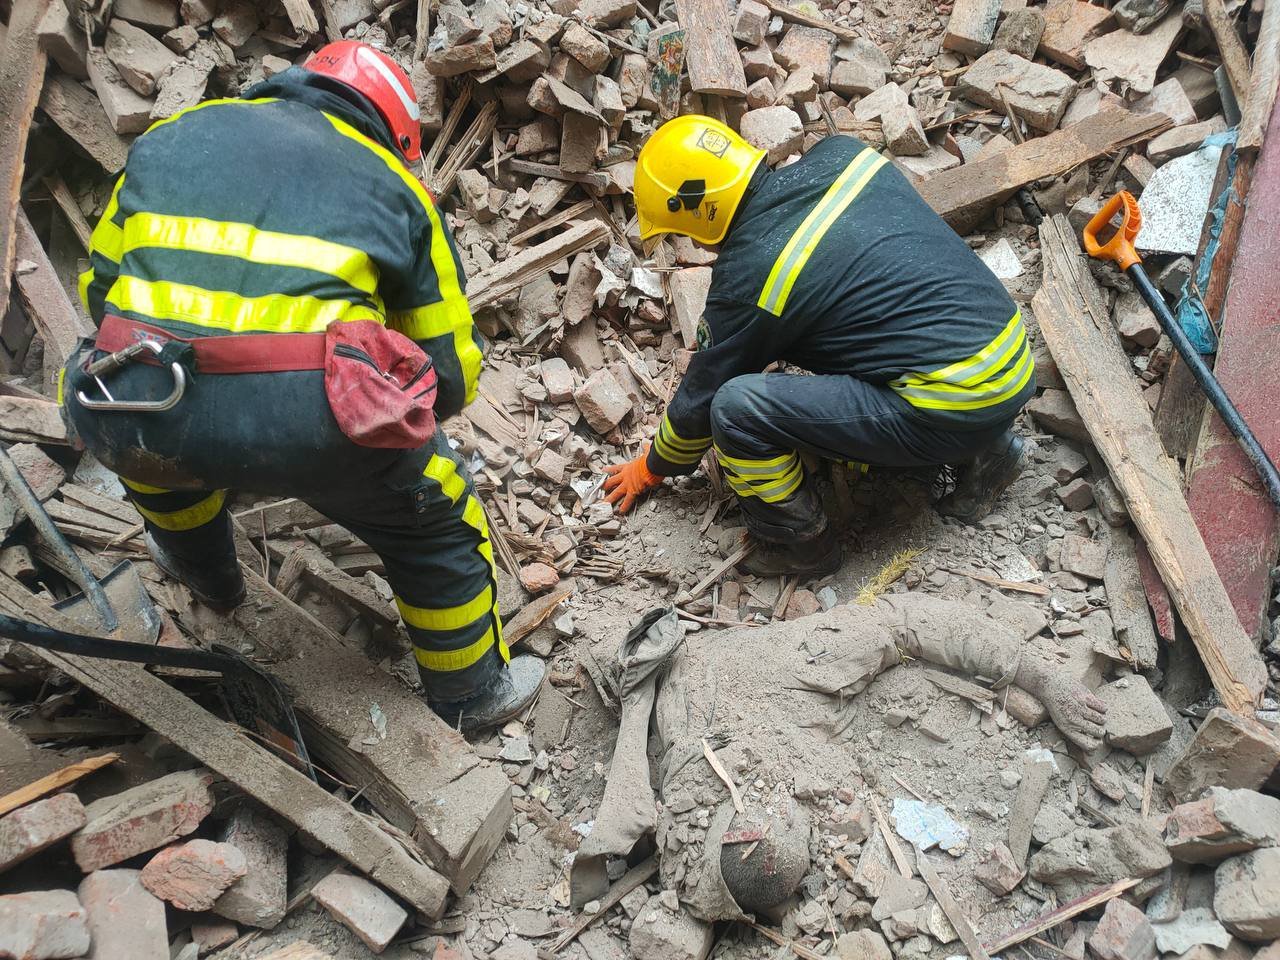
507	696
218	585
981	481
813	558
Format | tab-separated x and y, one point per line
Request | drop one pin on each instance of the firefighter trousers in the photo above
273	434
761	423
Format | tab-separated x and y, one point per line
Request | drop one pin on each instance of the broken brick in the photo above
1182	140
606	13
602	401
43	925
775	130
235	23
538	577
259	898
1246	894
1034	92
38	826
143	818
361	907
63	40
1132	57
558	379
807	48
1069	25
1123	933
125	921
1085	557
1221	824
1076	495
1020	32
1226	751
903	133
750	22
194	874
998	871
126	109
1055	411
157	14
140	57
462	58
212	935
584	47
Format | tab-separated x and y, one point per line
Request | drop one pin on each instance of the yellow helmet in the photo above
690	177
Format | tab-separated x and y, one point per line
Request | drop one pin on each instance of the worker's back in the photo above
880	288
278	213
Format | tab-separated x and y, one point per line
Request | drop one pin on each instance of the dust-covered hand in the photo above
627	481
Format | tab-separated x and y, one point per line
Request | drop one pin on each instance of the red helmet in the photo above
379	78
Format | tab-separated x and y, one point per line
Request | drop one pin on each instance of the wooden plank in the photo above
1051	918
55	781
1238	520
258	772
511	274
710	52
321	573
1102	384
21	73
1128	601
959	922
1234	56
301	16
972	26
36	421
792	15
423	777
1260	104
44	298
962	195
61	195
80	116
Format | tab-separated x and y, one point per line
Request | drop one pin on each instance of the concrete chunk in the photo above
63	40
1168	97
1226	751
1221	824
43	925
194	874
662	934
125	921
1133	58
775	130
750	22
1085	859
236	22
1182	140
808	48
156	14
1084	557
361	907
903	132
862	69
602	401
933	161
128	110
1135	321
1247	895
141	819
584	47
1036	93
258	899
1020	32
1055	411
38	826
1136	720
141	59
1069	26
462	58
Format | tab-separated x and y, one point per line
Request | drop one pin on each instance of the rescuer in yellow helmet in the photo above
836	265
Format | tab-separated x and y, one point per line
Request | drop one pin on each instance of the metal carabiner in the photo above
115	361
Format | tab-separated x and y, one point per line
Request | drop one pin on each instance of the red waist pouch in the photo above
380	384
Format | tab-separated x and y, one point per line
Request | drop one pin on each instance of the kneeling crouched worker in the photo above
836	265
281	310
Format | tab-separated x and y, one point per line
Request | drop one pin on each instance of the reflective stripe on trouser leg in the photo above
193	526
439	563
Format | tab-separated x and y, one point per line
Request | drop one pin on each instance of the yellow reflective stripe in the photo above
791	261
677	449
439	320
971	370
1019	376
473	516
777	461
447	618
107	237
450	285
189	518
218	102
244	241
62	378
82	285
924	383
143	487
771	492
443	660
222	310
445	472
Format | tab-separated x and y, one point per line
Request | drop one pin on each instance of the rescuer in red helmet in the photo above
281	310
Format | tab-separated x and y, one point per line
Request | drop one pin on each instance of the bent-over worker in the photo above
276	255
836	265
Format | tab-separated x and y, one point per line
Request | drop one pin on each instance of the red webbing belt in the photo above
234	353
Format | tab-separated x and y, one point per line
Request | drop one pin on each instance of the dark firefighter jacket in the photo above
836	264
281	212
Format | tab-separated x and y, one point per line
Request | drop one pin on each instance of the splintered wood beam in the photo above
257	771
1259	105
1234	56
79	115
55	781
792	15
43	296
21	74
513	273
962	195
710	52
24	420
1072	318
301	16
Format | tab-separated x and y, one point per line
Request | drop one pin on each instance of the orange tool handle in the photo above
1120	247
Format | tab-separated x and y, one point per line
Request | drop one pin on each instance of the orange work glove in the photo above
627	481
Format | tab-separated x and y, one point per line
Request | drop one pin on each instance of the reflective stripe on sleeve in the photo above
189	518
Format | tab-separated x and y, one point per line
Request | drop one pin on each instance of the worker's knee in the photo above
736	402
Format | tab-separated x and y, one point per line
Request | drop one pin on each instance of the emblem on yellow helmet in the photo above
690	177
